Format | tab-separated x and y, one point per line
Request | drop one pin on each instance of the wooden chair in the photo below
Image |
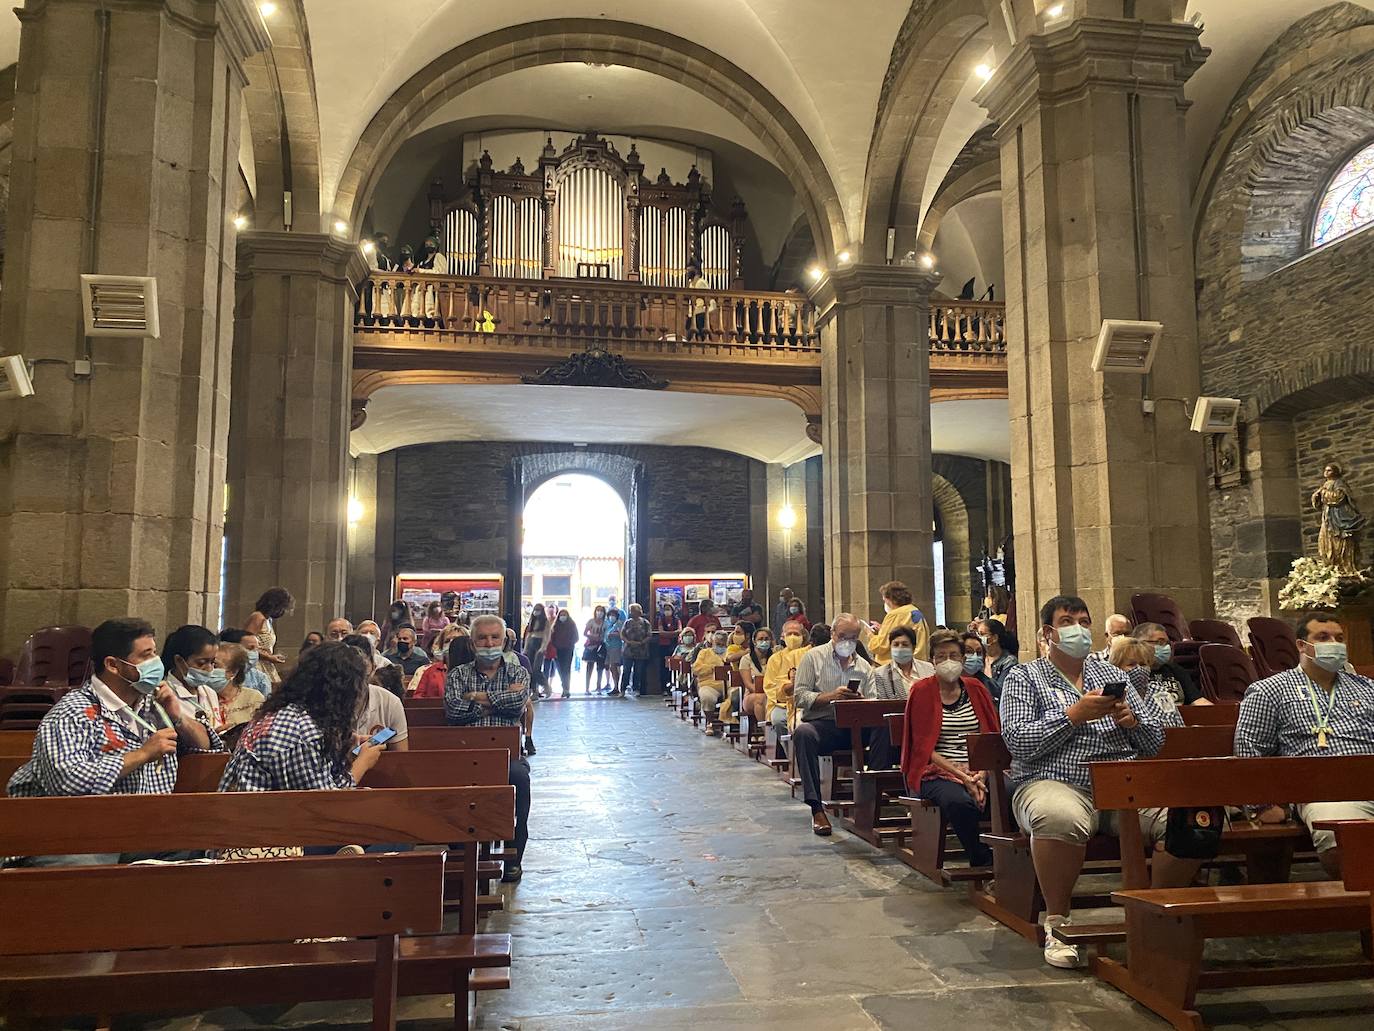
1213	631
1166	929
59	927
872	789
1273	644
1227	672
55	655
439	964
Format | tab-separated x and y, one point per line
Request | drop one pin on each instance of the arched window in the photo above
1348	203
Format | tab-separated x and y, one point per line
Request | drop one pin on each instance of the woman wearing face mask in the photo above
255	677
708	660
780	675
796	613
188	655
752	668
565	637
535	642
237	704
1000	646
940	714
397	616
893	680
615	644
594	651
975	659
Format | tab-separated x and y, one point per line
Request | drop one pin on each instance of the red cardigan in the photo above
925	715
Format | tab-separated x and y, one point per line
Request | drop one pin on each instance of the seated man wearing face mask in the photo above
120	733
1170	684
780	675
826	674
1318	709
1058	715
368	628
407	654
704	666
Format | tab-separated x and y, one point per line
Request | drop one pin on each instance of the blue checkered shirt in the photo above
1276	717
508	689
1044	745
283	751
80	746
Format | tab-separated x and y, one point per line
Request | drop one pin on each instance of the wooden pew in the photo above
425	716
439	964
1355	839
1221	714
1166	929
454	738
17	742
871	789
59	928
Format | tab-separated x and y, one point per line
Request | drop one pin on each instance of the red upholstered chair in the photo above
1213	631
1226	672
55	655
1273	645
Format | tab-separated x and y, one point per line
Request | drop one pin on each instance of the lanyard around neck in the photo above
1323	718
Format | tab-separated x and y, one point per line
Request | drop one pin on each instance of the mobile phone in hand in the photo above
1116	689
380	738
855	684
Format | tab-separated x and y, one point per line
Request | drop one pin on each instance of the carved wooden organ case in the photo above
588	213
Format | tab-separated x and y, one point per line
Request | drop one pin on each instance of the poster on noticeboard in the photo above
668	594
727	592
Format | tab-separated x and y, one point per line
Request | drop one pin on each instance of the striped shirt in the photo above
1277	717
958	722
507	689
1044	745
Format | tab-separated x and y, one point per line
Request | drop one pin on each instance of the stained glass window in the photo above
1348	203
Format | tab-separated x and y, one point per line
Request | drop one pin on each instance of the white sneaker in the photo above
1057	953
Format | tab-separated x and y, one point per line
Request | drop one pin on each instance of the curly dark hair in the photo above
362	645
274	602
330	683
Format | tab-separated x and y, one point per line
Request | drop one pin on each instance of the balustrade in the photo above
967	328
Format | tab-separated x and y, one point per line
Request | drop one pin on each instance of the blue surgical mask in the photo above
1075	641
215	679
150	674
764	646
688	641
252	658
719	649
1163	653
902	655
973	664
1329	655
844	649
489	654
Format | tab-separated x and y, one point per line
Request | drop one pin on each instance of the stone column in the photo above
1108	499
288	449
126	121
361	589
787	559
875	435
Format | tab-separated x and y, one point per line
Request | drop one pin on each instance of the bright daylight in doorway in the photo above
574	546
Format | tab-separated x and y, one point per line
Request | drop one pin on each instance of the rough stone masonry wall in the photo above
1336	433
1273	320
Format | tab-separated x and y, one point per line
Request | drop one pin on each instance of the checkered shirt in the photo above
1044	745
1276	717
80	746
508	689
282	751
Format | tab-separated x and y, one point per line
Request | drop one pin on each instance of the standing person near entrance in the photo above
594	650
536	641
635	635
705	622
827	674
667	626
780	610
491	692
615	644
1313	711
564	637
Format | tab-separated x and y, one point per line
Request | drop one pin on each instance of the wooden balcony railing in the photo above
604	313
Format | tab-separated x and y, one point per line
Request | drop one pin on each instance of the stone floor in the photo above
672	884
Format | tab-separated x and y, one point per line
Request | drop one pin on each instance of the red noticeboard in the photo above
687	590
477	592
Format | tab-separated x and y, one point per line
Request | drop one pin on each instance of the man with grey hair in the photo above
490	692
1116	626
827	674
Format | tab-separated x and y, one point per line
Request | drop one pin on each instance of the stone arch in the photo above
952	519
284	120
600	41
976	172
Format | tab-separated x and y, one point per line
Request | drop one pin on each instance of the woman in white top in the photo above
751	667
894	679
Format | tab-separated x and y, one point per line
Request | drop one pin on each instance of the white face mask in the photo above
949	670
844	649
1329	655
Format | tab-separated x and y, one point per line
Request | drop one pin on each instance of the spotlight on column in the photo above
983	71
340	226
1124	345
1215	415
267	9
1054	11
843	257
240	221
787	517
815	273
355	511
927	261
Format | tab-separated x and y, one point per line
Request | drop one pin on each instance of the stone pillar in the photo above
362	538
288	453
1108	499
787	557
126	121
875	435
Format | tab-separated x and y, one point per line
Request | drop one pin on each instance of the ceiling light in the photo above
927	261
240	221
355	511
340	226
843	257
267	9
814	272
983	71
1055	11
787	517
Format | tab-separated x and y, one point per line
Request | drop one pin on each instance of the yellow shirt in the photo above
706	665
878	645
781	668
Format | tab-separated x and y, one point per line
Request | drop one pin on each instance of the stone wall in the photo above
1336	433
1279	326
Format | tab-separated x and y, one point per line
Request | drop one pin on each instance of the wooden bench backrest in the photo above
866	712
16	742
422	703
429	769
1195	742
896	728
1356	841
102	908
426	717
169	823
1221	714
430	738
1146	783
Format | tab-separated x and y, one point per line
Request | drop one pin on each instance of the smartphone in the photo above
1116	689
855	684
380	738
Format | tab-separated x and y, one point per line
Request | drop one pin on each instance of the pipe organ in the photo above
588	213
